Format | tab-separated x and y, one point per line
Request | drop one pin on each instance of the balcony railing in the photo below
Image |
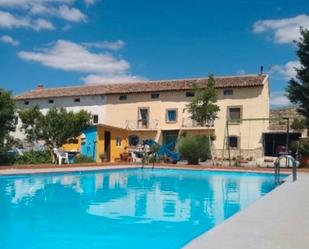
189	123
150	124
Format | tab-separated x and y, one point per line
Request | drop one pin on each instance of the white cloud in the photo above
28	3
286	71
95	79
7	20
65	12
89	2
39	9
71	14
284	30
9	40
34	11
66	27
116	45
70	56
41	24
279	99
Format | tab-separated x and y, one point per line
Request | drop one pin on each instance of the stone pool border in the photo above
279	220
37	169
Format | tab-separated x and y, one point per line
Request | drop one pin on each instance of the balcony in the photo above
151	124
188	123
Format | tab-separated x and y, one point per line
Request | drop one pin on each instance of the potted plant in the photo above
103	157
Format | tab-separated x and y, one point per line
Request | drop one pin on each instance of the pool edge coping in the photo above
224	235
15	172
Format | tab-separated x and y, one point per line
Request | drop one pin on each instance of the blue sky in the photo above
72	42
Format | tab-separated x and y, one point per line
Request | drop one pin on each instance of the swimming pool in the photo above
134	208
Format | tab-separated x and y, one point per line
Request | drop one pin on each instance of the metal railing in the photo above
288	160
190	123
142	124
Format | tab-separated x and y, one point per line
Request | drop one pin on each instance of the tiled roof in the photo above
147	86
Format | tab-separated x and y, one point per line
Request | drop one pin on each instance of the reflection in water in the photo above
121	209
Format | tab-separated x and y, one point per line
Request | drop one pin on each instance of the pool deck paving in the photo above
279	220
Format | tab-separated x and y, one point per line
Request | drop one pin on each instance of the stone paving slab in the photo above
279	220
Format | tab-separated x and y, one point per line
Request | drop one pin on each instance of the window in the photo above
118	141
233	142
190	94
171	115
95	119
50	101
155	95
143	118
123	97
77	100
26	102
228	92
234	114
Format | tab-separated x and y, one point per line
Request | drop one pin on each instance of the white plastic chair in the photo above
135	159
61	155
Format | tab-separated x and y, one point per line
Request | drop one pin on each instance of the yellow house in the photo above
101	143
112	141
158	110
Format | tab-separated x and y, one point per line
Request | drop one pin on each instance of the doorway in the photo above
170	139
107	145
275	142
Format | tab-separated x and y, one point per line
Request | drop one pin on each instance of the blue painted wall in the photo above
88	148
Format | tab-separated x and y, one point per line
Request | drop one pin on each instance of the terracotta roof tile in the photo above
148	86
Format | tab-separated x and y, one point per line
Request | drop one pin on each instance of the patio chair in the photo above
61	155
135	158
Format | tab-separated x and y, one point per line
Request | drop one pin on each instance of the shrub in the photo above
298	124
303	147
5	158
83	159
194	148
33	157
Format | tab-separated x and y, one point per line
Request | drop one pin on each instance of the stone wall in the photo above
245	154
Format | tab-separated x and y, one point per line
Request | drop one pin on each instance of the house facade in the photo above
157	110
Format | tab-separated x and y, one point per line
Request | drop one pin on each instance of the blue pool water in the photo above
133	208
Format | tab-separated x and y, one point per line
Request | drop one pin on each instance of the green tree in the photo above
298	88
7	119
298	124
55	128
203	107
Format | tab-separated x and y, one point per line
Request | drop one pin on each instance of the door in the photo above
107	145
170	139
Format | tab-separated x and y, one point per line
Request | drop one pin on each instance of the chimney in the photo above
39	87
261	70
